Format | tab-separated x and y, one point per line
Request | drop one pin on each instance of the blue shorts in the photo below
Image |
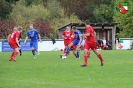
76	42
34	45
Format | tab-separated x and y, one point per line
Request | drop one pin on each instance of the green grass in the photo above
49	71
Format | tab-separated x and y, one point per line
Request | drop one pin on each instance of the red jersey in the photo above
90	38
72	37
13	36
67	34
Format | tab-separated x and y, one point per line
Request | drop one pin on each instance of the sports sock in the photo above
14	54
88	54
33	52
20	51
100	57
85	60
77	54
67	50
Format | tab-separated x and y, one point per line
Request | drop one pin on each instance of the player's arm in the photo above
80	37
63	35
87	34
17	41
26	37
17	38
39	38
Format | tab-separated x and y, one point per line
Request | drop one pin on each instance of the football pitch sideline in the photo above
48	70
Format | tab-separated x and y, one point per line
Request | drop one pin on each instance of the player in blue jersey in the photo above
77	42
33	35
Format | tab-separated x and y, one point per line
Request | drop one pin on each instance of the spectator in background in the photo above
104	47
99	43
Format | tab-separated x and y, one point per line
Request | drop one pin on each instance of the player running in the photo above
77	42
67	37
33	35
20	51
13	40
90	43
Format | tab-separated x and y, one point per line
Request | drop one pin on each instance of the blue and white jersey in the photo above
33	34
77	33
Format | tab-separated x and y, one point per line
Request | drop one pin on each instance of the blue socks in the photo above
67	50
33	52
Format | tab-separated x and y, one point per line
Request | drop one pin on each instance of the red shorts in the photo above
90	45
74	47
66	42
13	45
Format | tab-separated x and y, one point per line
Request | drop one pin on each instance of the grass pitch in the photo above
48	70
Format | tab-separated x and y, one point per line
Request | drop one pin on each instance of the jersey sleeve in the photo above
37	32
63	33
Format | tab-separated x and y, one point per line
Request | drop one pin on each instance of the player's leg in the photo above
35	45
68	49
86	50
66	45
74	50
20	50
32	48
93	47
16	51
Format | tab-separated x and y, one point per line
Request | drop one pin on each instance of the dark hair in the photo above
87	22
74	27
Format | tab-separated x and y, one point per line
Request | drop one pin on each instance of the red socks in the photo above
85	60
14	54
100	57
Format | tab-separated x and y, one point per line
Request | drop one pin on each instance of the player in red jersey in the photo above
67	37
13	40
90	43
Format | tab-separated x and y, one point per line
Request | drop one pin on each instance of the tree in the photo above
24	15
5	9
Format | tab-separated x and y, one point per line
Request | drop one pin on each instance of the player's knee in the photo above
32	48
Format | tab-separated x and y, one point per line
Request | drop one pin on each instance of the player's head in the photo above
31	26
68	28
74	29
87	22
20	28
15	28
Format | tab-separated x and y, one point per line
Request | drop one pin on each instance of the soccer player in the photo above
20	51
67	37
33	35
77	42
90	43
13	40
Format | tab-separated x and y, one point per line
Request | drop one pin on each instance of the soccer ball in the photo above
63	56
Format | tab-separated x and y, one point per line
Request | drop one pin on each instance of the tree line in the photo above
48	15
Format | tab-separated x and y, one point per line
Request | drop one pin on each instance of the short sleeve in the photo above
79	33
37	32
